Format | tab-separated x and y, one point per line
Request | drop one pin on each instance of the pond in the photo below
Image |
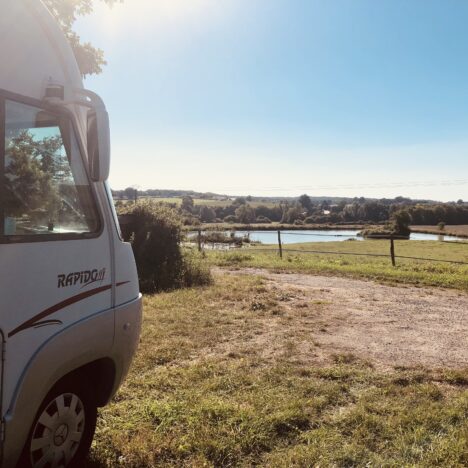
299	237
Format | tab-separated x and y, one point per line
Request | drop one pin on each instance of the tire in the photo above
63	428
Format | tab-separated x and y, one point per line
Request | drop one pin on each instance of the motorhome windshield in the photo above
45	190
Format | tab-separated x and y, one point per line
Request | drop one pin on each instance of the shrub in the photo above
263	220
191	220
154	231
195	270
441	226
230	219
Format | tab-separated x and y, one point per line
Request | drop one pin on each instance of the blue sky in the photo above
281	97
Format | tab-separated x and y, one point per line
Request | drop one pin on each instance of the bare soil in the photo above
323	318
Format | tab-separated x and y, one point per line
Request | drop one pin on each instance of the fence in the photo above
281	249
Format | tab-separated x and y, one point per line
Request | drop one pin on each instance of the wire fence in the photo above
204	242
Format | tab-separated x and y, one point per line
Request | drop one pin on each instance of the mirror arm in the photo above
55	102
56	95
95	100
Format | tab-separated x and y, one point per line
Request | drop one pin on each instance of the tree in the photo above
401	221
90	59
131	193
292	214
245	214
239	201
207	214
327	203
33	174
306	202
187	203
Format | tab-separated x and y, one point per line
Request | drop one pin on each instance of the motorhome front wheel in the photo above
63	429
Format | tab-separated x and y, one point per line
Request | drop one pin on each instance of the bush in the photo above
191	220
196	271
263	220
154	231
230	219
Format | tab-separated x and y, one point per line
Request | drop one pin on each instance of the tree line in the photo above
305	211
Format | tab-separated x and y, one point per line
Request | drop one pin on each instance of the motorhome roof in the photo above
33	50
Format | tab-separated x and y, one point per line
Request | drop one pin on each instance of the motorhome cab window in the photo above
45	189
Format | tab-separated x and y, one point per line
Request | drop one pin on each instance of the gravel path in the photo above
390	326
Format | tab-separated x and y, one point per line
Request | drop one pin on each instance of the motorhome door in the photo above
54	250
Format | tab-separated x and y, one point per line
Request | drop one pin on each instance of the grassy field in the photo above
208	202
206	390
430	273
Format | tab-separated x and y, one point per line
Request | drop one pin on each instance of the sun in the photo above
144	13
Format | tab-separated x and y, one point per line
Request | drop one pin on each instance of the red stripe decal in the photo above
61	305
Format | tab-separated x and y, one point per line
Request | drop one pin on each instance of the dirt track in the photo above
389	326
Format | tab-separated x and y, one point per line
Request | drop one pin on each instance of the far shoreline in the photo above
456	230
276	227
460	231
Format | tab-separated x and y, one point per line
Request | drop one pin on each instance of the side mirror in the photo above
98	131
98	144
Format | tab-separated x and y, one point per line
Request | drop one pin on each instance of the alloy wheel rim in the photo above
58	432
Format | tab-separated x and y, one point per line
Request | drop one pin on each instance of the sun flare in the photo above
151	12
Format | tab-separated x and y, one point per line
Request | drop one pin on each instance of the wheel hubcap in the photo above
58	432
61	435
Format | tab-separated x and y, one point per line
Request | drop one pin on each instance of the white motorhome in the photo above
70	307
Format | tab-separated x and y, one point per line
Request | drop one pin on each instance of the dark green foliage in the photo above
195	270
245	214
90	60
306	203
449	213
187	204
353	211
131	193
240	201
207	214
292	214
155	234
30	173
401	222
230	219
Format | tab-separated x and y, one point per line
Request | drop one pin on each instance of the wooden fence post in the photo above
199	241
279	244
392	250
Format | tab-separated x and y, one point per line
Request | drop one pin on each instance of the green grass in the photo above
430	273
209	202
201	392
